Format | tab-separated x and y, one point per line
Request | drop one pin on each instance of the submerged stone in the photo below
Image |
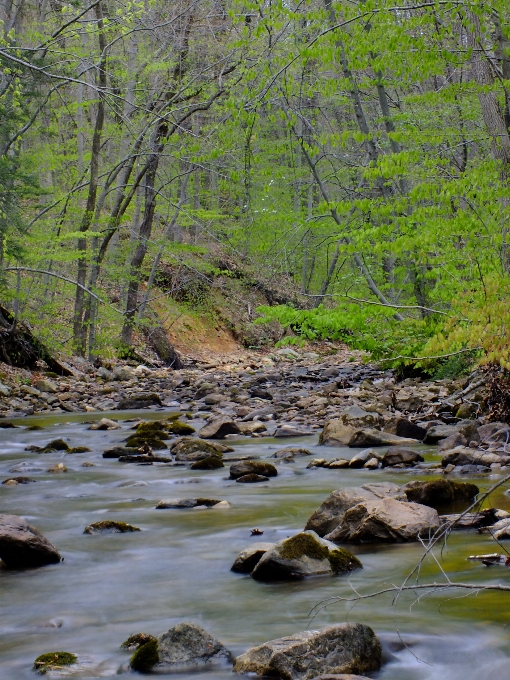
54	661
110	527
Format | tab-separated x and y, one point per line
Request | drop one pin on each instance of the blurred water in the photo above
178	567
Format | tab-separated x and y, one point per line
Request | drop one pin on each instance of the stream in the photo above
178	567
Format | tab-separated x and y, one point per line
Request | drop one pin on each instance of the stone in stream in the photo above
439	492
301	556
180	429
183	647
105	424
385	520
256	467
337	433
341	676
54	661
18	480
136	401
186	503
291	452
399	455
190	449
359	459
251	478
290	431
342	648
462	455
252	427
136	441
137	640
218	428
110	527
452	442
145	458
248	558
331	511
22	546
118	451
58	468
209	463
55	445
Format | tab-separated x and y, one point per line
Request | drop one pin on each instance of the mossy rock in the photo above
174	416
53	661
79	449
110	527
136	441
155	428
342	560
137	640
209	463
303	544
145	657
19	480
34	428
180	428
57	445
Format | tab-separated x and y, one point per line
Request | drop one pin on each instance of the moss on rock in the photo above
54	660
136	441
145	657
180	428
110	527
57	445
137	640
79	449
154	428
303	544
209	463
342	560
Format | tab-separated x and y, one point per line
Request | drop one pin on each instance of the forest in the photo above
354	156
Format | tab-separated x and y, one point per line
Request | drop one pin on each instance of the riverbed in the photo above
178	567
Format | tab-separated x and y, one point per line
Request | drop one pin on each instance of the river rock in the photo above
331	512
110	527
141	400
301	556
359	459
341	676
398	455
252	427
209	463
403	427
462	455
371	437
118	451
58	468
218	428
105	424
438	432
290	431
385	520
190	449
123	373
251	478
247	559
184	646
22	545
343	648
500	530
291	452
246	467
452	442
359	418
185	503
439	492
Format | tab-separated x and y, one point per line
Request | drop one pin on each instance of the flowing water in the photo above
178	567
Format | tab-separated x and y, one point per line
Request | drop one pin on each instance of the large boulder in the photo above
331	511
290	452
184	646
462	455
303	555
358	417
249	467
439	492
21	545
343	648
218	428
385	520
337	433
248	558
399	455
